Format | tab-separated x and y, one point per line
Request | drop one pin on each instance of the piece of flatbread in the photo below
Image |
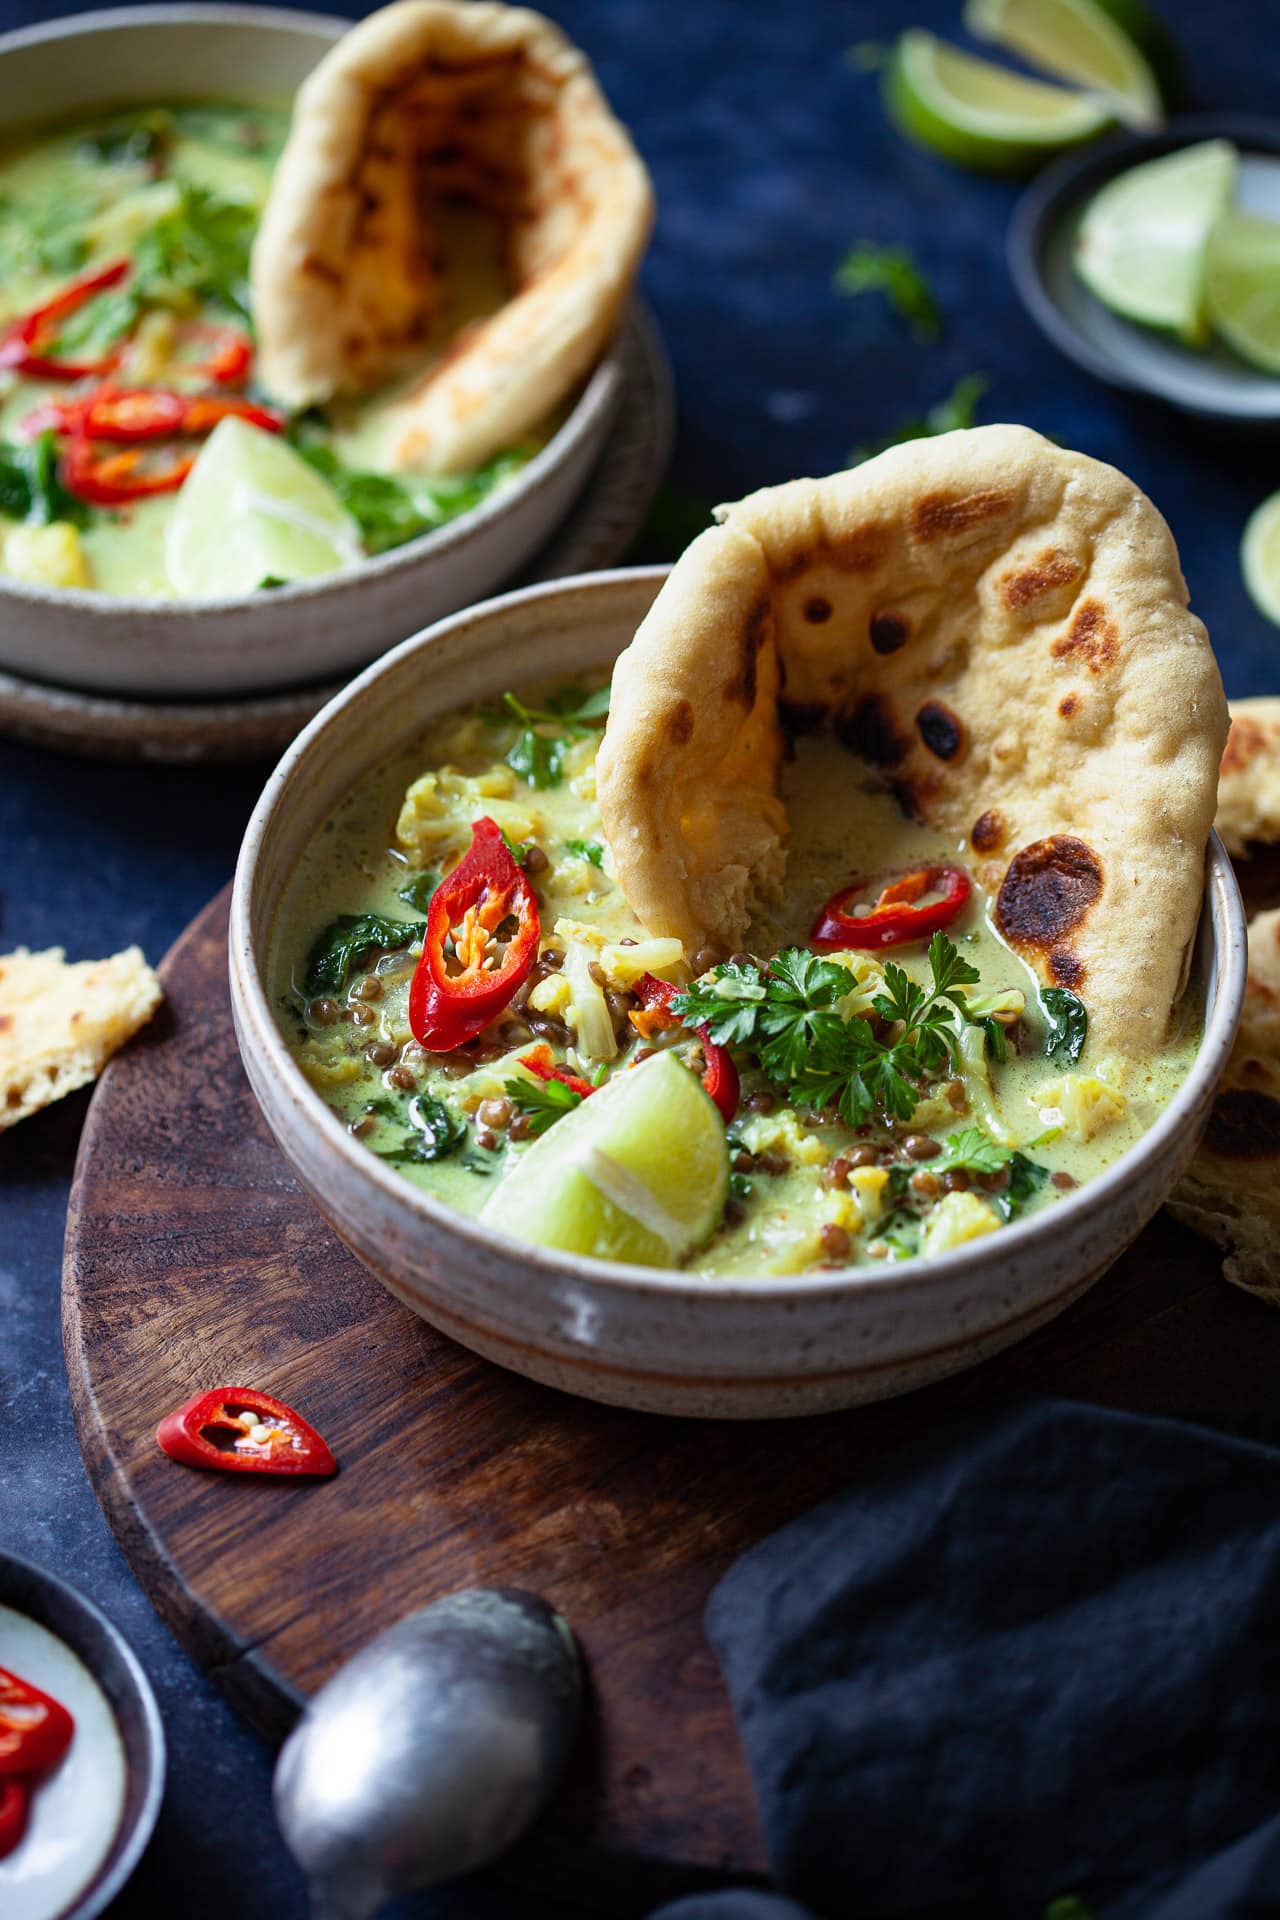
1249	785
1231	1191
60	1023
426	103
999	625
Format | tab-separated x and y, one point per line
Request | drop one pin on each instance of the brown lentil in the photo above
743	959
548	1029
706	958
772	1163
362	1015
370	988
1063	1179
642	1053
925	1185
494	1113
402	1077
597	973
957	1094
628	942
835	1241
485	1139
382	1053
957	1181
760	1102
520	1125
552	960
486	1055
365	1124
921	1146
535	861
744	1162
993	1182
322	1013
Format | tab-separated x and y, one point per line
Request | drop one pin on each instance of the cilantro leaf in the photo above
545	1101
30	486
416	893
201	248
346	942
973	1150
869	268
518	849
1068	1023
390	511
537	758
439	1132
728	1005
587	850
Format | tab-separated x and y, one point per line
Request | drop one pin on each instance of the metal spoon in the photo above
431	1751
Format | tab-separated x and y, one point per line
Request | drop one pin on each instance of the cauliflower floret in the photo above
623	966
437	811
781	1132
868	1184
956	1218
868	977
579	767
588	1013
840	1208
552	995
326	1071
51	556
1083	1104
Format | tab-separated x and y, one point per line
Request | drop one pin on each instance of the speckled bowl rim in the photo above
587	419
1228	945
20	1580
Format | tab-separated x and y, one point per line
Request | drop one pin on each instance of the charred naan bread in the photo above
1249	785
427	103
999	625
61	1021
1231	1191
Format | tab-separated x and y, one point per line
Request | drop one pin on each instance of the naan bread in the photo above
1249	785
429	102
999	625
60	1023
1231	1191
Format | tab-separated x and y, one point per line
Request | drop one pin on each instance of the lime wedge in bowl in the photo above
1242	286
1076	40
250	511
638	1172
1260	557
981	115
1140	248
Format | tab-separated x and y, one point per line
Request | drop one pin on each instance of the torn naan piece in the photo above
1249	784
1231	1191
426	106
60	1022
998	625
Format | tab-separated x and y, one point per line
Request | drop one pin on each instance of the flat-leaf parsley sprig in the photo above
786	1014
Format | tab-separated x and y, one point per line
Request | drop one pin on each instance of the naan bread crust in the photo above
61	1021
1231	1191
999	625
429	101
1249	784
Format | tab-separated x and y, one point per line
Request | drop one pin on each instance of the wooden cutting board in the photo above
193	1260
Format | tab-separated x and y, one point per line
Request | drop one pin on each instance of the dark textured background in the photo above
771	155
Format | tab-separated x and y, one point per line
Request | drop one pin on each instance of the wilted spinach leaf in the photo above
346	941
439	1132
417	892
1068	1022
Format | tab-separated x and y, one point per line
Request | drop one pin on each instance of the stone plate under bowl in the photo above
57	1606
1216	383
661	1340
300	634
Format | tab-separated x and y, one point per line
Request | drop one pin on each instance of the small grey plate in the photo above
50	1601
1216	384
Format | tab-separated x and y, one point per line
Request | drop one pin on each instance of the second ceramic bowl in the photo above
670	1342
317	628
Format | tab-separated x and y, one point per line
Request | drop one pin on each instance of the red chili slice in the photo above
204	412
13	1814
35	1730
228	355
720	1077
469	969
540	1062
117	479
239	1430
25	342
894	917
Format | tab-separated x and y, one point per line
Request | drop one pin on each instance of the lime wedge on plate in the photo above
1260	557
639	1172
1242	286
1141	244
252	510
981	115
1075	40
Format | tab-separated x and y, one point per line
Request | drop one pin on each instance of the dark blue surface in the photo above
771	155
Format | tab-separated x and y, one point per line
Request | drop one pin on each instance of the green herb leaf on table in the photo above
347	941
586	850
958	409
870	268
545	1101
416	893
439	1132
1068	1023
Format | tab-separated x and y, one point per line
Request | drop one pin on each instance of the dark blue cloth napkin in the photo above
1035	1654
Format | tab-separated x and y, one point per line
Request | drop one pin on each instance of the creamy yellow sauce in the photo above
789	1210
83	197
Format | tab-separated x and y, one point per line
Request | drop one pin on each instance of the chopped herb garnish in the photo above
1068	1024
958	409
787	1015
586	850
347	941
30	488
439	1132
131	139
200	251
1026	1177
416	893
388	511
545	1101
869	268
973	1150
518	849
538	753
739	1187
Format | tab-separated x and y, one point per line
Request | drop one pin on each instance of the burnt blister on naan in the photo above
870	731
1047	574
755	632
1092	636
987	833
941	730
889	630
1244	1125
1045	895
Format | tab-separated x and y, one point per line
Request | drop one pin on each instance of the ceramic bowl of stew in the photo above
143	645
666	1341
